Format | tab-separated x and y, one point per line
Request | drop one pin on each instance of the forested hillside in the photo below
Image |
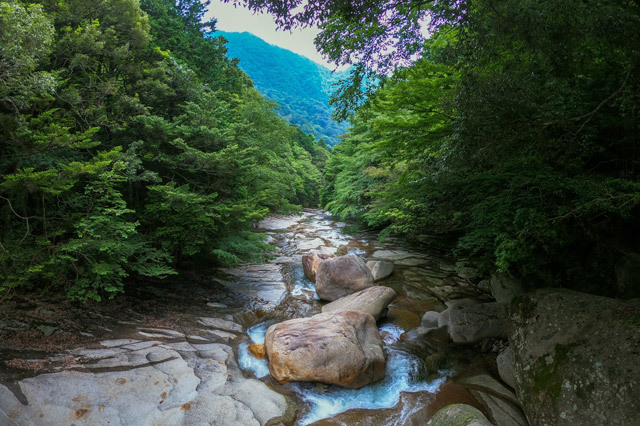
130	143
516	132
300	86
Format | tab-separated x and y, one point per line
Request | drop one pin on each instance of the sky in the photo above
232	19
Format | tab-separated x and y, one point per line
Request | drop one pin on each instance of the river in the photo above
182	358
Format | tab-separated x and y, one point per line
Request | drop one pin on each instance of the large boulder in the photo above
380	269
372	300
472	322
310	263
341	348
505	367
504	287
459	415
341	276
577	358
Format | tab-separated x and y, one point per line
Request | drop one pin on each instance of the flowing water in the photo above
180	355
422	282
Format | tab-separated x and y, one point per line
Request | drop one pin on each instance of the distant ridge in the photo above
299	85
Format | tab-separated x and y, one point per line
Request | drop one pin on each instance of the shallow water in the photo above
403	374
405	371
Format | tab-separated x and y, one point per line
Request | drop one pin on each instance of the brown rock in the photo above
372	300
310	263
257	350
342	348
341	276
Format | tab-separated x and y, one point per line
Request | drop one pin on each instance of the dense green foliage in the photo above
129	143
300	86
517	131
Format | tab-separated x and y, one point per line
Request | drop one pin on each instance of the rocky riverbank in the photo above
177	352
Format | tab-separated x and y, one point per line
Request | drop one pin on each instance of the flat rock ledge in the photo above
145	382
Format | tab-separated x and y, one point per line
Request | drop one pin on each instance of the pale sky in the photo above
232	19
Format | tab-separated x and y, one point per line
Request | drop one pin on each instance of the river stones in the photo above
499	402
372	300
472	322
257	350
340	276
310	263
380	269
459	415
341	348
577	358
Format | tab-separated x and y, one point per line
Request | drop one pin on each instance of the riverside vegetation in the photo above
132	147
131	143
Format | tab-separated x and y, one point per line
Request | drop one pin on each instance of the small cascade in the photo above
405	372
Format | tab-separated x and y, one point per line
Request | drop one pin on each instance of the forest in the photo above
131	143
301	87
515	134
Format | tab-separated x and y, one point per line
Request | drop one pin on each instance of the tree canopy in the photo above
514	128
131	143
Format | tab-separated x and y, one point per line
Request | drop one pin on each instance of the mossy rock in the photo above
576	358
459	415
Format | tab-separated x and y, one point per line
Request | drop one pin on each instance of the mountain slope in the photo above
300	86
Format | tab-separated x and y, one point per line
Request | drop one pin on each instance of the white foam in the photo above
394	332
402	368
303	287
257	333
248	362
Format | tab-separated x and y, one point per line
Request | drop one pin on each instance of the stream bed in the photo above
182	358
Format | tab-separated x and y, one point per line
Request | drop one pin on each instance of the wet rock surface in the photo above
193	333
341	348
129	381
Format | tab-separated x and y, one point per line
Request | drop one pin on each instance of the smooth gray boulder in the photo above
380	269
341	348
472	322
430	319
506	367
340	276
504	287
577	358
459	415
372	300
